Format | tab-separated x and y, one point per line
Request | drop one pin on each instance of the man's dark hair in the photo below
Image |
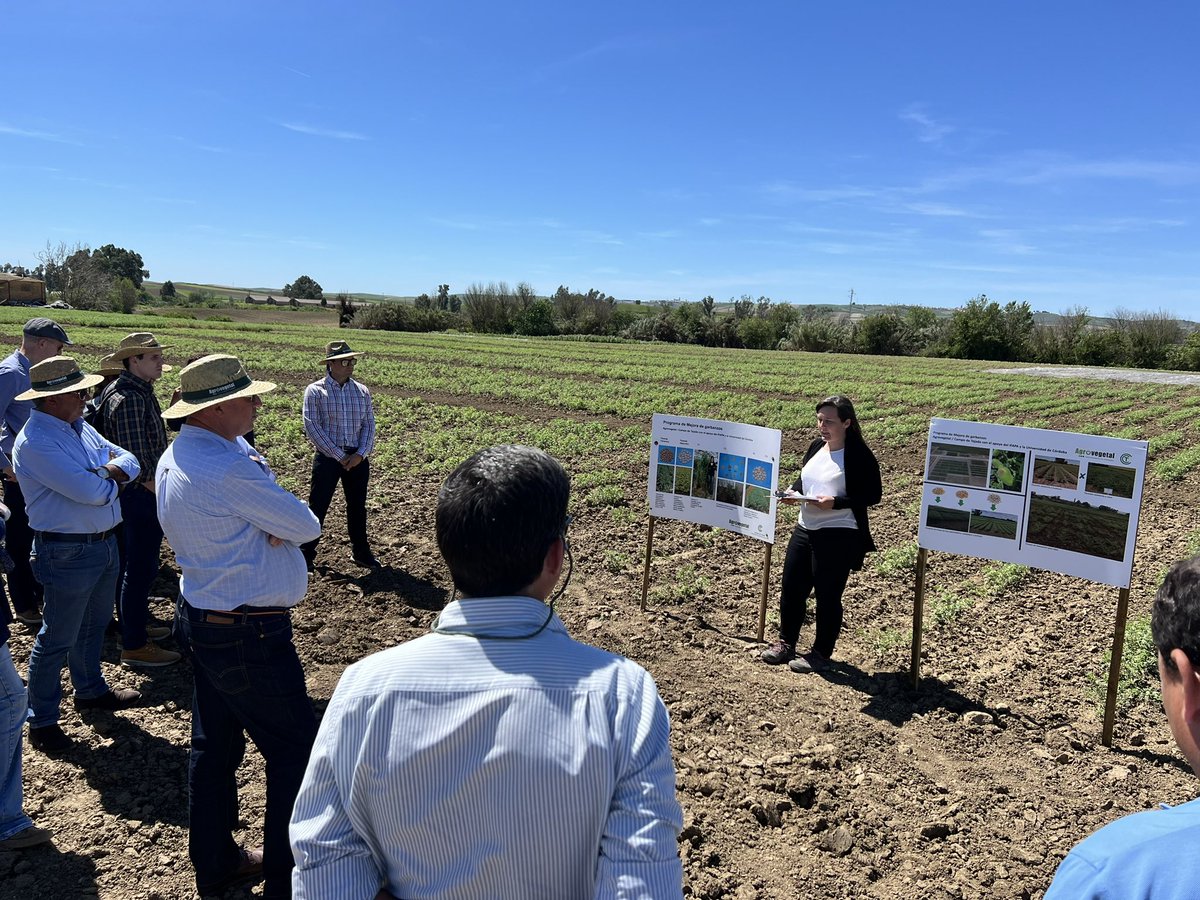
1175	620
497	515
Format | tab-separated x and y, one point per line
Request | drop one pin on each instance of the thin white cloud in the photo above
14	131
324	132
929	130
939	209
710	222
297	72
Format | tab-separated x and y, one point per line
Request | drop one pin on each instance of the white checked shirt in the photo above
218	504
463	767
337	416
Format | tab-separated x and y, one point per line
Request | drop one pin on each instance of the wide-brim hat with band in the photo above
136	344
211	380
336	350
57	375
110	368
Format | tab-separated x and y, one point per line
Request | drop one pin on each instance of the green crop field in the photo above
441	395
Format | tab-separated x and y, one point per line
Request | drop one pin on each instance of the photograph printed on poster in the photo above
1077	526
1007	471
959	464
1115	481
1055	471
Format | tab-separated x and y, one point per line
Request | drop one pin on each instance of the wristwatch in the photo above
103	472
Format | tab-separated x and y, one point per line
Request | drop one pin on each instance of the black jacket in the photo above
864	487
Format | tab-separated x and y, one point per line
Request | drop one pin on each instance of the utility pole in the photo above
852	304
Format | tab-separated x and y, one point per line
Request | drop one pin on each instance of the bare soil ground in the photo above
843	785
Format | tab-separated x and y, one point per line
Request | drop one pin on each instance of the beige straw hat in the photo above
57	375
135	344
211	380
109	367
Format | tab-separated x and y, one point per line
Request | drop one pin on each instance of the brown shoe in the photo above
249	869
150	655
158	632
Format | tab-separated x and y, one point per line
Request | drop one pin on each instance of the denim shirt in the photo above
55	463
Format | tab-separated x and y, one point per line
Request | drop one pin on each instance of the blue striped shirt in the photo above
218	504
460	767
55	463
337	416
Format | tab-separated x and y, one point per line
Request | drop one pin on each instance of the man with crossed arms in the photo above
236	536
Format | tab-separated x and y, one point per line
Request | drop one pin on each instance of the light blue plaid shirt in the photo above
54	462
462	767
218	504
339	416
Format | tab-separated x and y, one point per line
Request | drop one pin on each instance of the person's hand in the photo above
788	500
351	461
822	502
117	473
274	541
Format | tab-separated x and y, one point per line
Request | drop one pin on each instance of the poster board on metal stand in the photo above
1053	500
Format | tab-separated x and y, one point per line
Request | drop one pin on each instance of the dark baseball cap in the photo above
41	327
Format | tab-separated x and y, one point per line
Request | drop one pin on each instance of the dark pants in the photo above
326	473
24	589
142	539
820	560
248	680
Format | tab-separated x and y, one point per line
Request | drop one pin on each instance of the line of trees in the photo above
980	329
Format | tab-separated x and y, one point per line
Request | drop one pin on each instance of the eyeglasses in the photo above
347	363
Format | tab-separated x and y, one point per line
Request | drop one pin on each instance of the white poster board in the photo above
714	473
1049	499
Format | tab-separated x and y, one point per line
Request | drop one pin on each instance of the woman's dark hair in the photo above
1175	618
497	515
845	411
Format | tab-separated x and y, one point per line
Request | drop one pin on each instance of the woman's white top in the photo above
825	476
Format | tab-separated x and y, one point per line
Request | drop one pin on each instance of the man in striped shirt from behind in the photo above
494	757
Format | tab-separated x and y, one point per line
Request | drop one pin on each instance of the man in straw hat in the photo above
236	536
340	423
130	416
70	477
41	338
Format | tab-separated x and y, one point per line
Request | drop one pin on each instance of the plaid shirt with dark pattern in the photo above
131	418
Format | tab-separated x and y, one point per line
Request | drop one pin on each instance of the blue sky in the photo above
913	152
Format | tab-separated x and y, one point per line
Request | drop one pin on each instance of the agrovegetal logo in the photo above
1126	458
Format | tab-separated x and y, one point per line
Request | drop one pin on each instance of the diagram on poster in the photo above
1050	499
714	473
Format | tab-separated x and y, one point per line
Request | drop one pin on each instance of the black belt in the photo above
75	538
238	616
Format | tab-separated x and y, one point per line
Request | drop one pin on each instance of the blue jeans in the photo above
14	707
248	680
23	588
79	580
143	539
